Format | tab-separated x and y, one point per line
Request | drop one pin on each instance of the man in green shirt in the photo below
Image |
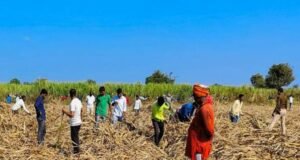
158	119
103	103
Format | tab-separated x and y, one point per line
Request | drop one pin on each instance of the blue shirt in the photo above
40	109
8	100
187	111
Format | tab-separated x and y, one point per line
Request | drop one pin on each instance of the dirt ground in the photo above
249	139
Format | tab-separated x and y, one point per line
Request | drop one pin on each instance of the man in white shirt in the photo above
20	104
236	109
90	100
137	105
291	101
119	104
75	110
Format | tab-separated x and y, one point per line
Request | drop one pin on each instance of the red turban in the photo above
200	90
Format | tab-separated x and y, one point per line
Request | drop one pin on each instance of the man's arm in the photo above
69	114
24	107
110	107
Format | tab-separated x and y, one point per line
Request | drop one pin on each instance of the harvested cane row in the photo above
249	139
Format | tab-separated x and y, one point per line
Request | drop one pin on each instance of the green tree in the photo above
296	86
279	75
90	81
159	77
15	81
258	81
27	83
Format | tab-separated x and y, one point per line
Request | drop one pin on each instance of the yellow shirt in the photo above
236	109
158	112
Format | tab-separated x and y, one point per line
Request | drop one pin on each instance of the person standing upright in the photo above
201	130
236	109
137	105
75	110
90	100
41	116
119	104
280	111
291	102
103	101
158	119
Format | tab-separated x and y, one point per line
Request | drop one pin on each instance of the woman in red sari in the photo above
201	131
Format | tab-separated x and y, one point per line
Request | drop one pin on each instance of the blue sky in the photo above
211	42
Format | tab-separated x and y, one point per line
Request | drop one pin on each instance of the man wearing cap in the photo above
201	131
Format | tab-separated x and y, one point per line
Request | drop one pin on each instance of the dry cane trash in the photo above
249	139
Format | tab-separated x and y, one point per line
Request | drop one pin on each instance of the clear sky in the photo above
211	41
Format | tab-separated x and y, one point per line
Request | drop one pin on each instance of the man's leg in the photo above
283	119
75	138
162	130
198	156
41	131
102	119
156	132
238	118
120	119
39	139
114	119
44	131
276	117
92	109
97	119
234	118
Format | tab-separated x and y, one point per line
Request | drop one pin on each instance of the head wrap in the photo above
200	90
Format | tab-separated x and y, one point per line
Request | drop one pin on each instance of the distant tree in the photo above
217	84
258	81
296	86
27	83
159	77
15	81
90	81
279	75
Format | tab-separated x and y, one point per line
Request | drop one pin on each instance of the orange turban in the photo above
200	90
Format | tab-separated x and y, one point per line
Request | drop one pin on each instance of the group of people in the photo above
199	113
283	103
